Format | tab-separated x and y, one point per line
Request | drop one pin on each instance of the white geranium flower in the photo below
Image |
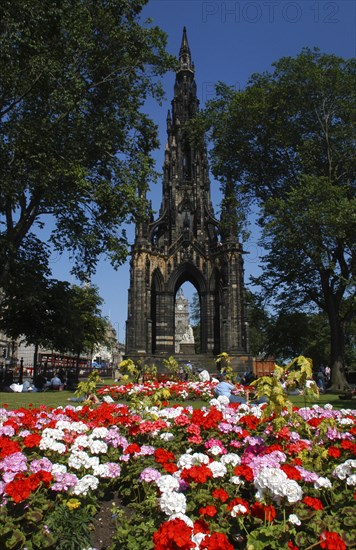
346	422
322	483
99	433
80	459
98	447
238	510
173	503
235	480
231	458
167	436
185	461
167	483
200	458
342	471
276	482
78	427
84	484
56	447
292	491
198	538
59	469
351	481
218	469
293	518
215	450
82	442
101	470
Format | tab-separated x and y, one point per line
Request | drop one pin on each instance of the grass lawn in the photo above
47	398
60	398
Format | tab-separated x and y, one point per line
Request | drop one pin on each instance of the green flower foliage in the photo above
223	363
88	387
275	387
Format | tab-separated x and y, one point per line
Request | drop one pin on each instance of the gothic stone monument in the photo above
186	243
183	334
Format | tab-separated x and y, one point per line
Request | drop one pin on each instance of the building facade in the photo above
186	243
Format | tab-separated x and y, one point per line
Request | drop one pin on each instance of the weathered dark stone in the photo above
185	243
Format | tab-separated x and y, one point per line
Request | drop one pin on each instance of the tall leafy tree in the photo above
259	322
30	311
294	333
85	326
75	142
286	143
52	314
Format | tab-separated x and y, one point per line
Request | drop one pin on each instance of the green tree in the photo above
294	333
286	143
85	327
30	311
52	314
75	141
259	322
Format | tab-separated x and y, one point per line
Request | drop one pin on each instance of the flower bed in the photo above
180	391
222	477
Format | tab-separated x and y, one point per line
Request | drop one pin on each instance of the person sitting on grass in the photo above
225	388
55	381
91	398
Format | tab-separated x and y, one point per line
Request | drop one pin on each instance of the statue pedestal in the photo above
186	348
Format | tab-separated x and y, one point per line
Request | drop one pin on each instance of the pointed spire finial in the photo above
185	60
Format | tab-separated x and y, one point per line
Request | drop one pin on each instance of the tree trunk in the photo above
338	377
35	361
77	368
21	371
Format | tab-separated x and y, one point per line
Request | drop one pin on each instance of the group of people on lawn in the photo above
40	384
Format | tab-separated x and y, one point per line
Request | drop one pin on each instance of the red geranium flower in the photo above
244	471
170	467
250	421
201	526
32	440
334	452
216	541
220	494
8	447
291	472
237	501
198	474
348	445
291	546
173	535
331	541
262	511
314	503
19	489
133	448
283	433
162	456
297	447
210	511
38	477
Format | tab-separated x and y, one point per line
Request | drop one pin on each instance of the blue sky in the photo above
229	41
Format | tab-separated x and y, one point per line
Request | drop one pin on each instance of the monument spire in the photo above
186	243
185	58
